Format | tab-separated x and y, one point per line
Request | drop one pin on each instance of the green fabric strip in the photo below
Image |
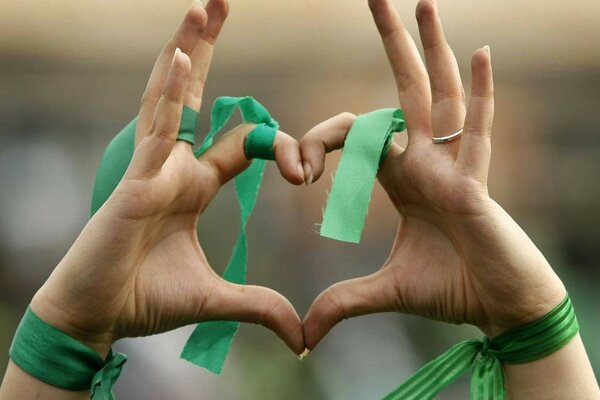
209	343
366	144
259	143
54	357
484	357
187	126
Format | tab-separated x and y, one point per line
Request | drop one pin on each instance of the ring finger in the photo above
448	104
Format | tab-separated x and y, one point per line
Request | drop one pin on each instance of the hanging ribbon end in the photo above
342	235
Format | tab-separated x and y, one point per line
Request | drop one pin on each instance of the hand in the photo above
137	268
457	257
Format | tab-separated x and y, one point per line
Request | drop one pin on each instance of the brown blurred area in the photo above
72	73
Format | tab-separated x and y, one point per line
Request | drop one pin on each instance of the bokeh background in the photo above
72	72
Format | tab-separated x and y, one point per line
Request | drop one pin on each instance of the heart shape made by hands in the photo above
365	146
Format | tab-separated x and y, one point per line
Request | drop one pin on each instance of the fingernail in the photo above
304	354
308	174
487	48
301	172
177	50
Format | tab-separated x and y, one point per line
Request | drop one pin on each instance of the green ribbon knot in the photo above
484	357
104	379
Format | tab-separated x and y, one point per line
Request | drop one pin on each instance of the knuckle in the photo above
424	9
270	313
331	296
409	80
147	100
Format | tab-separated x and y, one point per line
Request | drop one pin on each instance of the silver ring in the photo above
446	139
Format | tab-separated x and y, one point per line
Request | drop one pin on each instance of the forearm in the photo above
565	374
19	385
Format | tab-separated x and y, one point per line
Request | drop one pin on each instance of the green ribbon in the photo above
259	143
484	357
56	358
209	343
365	146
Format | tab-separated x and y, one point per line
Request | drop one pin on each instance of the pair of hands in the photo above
138	268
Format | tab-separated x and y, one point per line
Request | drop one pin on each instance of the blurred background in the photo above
72	73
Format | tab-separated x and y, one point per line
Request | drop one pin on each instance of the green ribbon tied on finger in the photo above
365	146
210	342
484	357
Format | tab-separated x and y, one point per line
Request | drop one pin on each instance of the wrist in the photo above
529	311
63	320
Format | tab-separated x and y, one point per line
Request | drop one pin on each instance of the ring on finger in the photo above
448	138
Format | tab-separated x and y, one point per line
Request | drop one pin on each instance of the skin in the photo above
458	257
138	268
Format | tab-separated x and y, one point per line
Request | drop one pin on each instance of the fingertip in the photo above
288	159
196	15
219	8
182	62
481	71
425	9
377	5
481	58
308	173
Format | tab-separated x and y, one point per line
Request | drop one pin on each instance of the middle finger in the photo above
409	71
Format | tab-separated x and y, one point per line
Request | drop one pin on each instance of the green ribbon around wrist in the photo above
484	357
56	358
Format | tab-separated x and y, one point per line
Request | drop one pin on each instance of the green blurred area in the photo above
71	77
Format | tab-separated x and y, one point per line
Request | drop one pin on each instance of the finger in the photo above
227	158
155	147
257	305
351	298
409	71
217	11
475	146
185	38
448	108
323	138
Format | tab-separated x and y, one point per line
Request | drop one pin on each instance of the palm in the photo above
422	184
171	275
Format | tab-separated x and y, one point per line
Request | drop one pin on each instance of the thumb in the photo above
227	157
366	295
259	305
